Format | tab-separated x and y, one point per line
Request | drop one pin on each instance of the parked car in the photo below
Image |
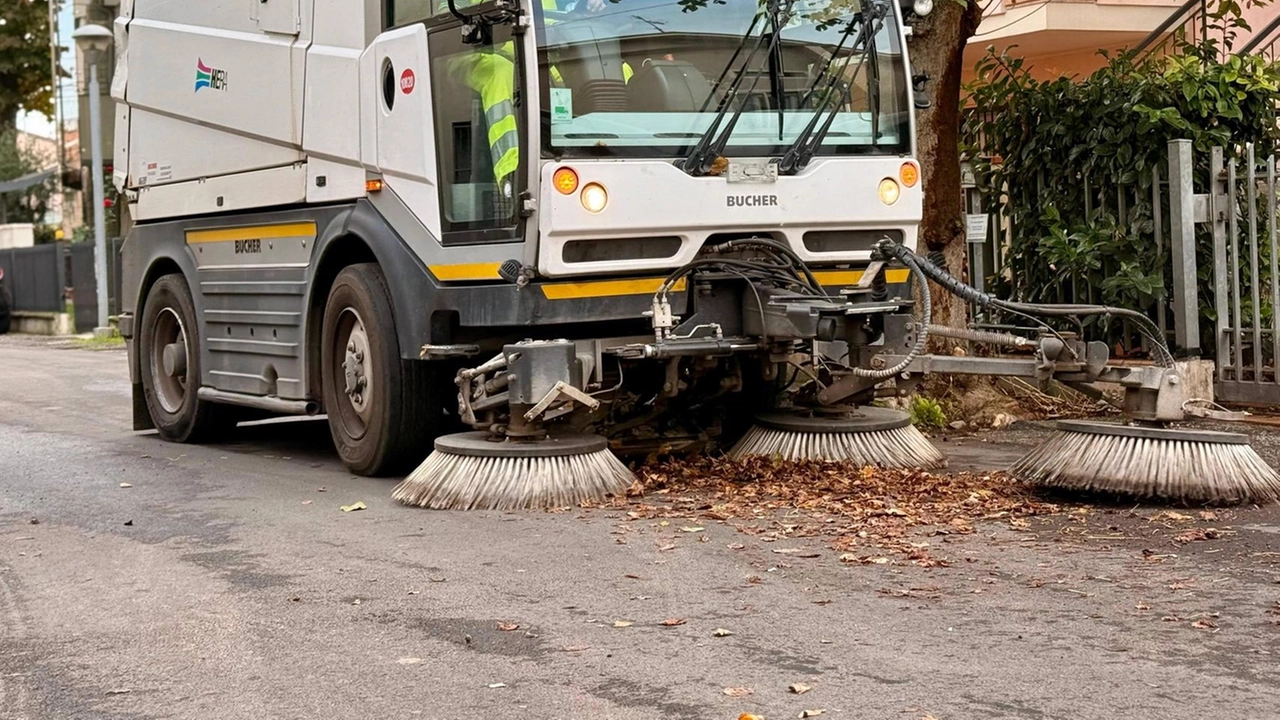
6	304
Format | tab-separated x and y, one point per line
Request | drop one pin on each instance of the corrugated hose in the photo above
887	249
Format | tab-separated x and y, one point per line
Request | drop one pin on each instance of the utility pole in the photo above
94	40
55	61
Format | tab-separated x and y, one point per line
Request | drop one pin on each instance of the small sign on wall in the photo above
976	227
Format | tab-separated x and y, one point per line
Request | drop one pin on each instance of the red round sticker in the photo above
406	81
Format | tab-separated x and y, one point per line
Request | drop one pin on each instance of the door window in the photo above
477	131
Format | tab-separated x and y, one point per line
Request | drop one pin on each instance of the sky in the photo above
37	123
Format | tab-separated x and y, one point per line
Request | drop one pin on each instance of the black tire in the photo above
386	425
171	400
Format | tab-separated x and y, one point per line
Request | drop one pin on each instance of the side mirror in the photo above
920	97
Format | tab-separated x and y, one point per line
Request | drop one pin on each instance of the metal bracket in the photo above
561	388
440	352
753	171
870	274
1200	208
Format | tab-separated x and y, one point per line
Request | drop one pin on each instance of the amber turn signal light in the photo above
909	174
565	180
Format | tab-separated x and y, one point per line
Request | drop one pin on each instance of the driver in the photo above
490	72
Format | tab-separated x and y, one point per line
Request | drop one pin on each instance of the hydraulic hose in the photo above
981	336
922	334
889	250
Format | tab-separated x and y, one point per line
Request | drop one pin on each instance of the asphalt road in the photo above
226	583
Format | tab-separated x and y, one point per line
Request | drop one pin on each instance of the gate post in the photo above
1182	233
1219	207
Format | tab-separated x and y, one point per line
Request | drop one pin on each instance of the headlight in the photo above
889	191
922	7
594	197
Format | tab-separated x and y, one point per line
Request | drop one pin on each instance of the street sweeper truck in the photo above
583	229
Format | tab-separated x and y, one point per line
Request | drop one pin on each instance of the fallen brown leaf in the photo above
811	713
1198	534
867	513
721	632
672	622
508	627
1204	624
738	691
799	688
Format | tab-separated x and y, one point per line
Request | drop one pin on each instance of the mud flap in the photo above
141	417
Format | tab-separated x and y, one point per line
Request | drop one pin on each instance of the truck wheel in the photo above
383	411
169	359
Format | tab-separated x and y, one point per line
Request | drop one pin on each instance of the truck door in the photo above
448	140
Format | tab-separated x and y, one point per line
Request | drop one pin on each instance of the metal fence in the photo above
41	277
1246	282
1150	209
36	277
1231	225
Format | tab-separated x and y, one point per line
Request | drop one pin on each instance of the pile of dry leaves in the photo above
857	509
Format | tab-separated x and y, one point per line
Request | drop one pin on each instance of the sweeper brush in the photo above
1190	466
867	436
1146	460
475	471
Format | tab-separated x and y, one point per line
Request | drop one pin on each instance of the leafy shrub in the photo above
1071	163
926	412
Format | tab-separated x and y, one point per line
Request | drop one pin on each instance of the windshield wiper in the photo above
810	138
712	143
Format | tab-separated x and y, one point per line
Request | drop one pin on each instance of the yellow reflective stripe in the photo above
466	271
851	277
506	164
252	232
606	288
500	128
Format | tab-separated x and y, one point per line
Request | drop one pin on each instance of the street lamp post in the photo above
93	41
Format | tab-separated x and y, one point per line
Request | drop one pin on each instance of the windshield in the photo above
647	77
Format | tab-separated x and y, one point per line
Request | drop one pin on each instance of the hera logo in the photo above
212	78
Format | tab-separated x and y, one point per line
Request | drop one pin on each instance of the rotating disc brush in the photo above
866	436
1190	466
479	471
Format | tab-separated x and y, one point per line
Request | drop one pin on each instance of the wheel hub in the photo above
355	368
169	360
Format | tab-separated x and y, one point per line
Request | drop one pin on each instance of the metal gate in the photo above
36	277
1245	278
84	284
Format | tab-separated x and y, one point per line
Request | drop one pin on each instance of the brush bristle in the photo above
445	481
1151	468
904	447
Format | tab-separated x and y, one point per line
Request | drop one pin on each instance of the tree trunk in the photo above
937	50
